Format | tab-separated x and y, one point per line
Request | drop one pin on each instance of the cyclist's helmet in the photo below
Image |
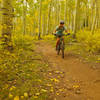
62	22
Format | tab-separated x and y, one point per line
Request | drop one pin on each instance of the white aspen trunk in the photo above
24	16
43	24
65	17
39	25
48	20
76	20
94	20
98	13
58	11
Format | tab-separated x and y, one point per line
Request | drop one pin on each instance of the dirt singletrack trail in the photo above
76	72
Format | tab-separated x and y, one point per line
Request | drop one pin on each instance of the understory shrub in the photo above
90	42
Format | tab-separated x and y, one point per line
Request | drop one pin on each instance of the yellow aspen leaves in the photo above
43	90
49	85
75	86
57	72
25	94
61	90
35	97
37	94
37	30
52	89
4	26
12	88
39	80
10	95
57	93
55	80
98	58
22	97
10	43
6	36
1	27
16	98
50	73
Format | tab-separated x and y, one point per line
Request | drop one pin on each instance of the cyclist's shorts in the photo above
59	36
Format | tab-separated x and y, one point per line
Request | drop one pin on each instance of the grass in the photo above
22	72
26	74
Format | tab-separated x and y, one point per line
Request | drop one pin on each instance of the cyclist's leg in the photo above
58	39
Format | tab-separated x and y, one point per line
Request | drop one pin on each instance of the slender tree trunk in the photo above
58	11
56	15
7	23
43	24
87	16
39	26
98	13
48	20
24	16
76	25
97	16
65	17
94	20
0	17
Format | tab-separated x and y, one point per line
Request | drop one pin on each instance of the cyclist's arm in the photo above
66	30
55	30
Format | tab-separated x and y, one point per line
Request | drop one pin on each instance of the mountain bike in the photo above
61	46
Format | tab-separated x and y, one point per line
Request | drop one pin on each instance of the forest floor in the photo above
79	80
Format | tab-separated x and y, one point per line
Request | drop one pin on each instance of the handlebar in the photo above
64	34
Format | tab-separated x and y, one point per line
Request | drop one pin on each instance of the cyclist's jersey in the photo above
60	30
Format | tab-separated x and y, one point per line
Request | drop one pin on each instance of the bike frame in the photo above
61	47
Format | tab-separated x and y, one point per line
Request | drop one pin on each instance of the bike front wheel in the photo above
62	49
58	49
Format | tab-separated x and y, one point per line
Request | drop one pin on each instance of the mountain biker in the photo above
59	32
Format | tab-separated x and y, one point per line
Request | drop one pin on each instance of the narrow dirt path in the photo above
76	73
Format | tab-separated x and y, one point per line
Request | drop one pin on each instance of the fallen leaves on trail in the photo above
57	72
16	98
22	97
12	88
49	85
43	90
57	94
78	91
10	95
50	73
76	86
55	80
37	94
35	97
39	80
61	90
52	89
25	94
